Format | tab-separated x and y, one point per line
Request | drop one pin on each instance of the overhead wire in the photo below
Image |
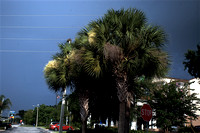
37	27
51	15
24	51
33	39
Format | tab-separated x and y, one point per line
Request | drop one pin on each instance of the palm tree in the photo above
4	104
124	43
81	81
57	74
65	70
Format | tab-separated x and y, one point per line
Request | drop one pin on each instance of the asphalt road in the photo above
17	129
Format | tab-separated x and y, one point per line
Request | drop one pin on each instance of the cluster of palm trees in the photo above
120	45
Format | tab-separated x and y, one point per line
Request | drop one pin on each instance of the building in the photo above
195	86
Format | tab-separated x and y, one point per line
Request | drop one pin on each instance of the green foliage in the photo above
57	71
74	110
125	40
4	103
21	113
107	130
140	131
45	114
173	104
190	129
192	62
103	130
28	117
110	52
186	130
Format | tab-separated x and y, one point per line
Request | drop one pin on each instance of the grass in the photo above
1	128
106	130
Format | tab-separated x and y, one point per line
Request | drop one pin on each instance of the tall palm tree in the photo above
4	104
65	70
81	81
123	42
57	74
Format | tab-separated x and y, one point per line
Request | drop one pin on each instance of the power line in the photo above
33	39
24	51
87	0
39	27
51	15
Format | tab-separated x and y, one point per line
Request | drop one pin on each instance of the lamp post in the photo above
36	115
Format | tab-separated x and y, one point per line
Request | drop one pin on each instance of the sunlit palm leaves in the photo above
55	78
56	72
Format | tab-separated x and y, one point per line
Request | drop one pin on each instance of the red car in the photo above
57	126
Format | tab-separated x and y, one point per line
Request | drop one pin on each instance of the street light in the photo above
37	115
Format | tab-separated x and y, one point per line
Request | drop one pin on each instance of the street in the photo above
17	129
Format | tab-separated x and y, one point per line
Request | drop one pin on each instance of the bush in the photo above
140	131
187	130
99	130
106	130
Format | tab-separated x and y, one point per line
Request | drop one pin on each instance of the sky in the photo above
30	31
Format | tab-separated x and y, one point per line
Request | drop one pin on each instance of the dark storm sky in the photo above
30	31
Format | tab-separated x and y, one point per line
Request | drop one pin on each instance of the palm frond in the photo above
4	103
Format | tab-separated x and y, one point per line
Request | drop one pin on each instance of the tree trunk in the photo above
124	98
84	109
84	126
121	128
62	111
109	121
127	116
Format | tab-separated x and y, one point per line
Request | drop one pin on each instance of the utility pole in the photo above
63	104
36	123
1	109
67	114
37	116
62	110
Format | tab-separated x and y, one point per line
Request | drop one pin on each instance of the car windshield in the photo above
53	123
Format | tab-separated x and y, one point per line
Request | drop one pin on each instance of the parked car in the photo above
5	125
56	127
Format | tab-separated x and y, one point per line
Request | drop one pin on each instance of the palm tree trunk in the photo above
122	108
62	110
84	126
109	121
84	110
123	96
127	116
